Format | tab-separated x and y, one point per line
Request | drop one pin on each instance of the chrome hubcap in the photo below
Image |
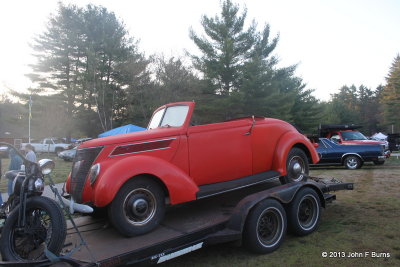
352	163
296	169
140	206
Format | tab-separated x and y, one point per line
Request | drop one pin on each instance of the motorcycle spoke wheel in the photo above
31	241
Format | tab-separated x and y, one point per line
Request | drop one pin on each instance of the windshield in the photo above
171	117
347	136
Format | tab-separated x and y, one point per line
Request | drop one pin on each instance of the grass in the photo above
363	220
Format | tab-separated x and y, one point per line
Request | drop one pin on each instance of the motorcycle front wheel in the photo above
44	227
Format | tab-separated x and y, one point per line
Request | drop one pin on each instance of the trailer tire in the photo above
265	227
138	207
304	212
296	167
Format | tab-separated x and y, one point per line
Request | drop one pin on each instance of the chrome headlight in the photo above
46	166
39	185
94	172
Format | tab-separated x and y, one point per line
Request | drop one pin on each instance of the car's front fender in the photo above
180	186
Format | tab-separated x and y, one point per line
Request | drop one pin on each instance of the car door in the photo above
330	152
220	152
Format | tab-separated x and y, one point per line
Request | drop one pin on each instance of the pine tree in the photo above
240	73
391	96
86	57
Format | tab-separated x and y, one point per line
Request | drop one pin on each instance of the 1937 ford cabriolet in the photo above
136	175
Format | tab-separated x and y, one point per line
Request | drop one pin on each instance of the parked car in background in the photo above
81	140
68	155
51	144
136	174
347	134
350	156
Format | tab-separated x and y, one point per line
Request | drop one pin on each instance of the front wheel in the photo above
138	207
296	167
265	227
44	227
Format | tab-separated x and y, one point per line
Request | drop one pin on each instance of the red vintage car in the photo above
137	174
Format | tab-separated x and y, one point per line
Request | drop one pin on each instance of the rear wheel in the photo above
352	162
265	227
296	167
138	207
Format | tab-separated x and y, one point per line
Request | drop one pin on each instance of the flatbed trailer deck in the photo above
186	227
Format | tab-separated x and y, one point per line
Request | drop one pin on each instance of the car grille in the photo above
82	162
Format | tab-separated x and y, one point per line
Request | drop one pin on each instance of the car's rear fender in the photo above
179	185
285	144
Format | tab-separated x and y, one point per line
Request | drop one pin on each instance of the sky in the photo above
333	42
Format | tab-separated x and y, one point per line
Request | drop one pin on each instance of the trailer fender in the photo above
180	186
284	194
285	144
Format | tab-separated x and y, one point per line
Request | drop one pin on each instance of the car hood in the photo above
161	132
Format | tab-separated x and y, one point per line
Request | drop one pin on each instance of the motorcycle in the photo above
34	225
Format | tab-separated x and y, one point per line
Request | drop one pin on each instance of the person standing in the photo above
13	169
30	153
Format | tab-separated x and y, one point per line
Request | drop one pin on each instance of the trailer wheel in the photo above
352	162
296	166
138	207
304	212
265	227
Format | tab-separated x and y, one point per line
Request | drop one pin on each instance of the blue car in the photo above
350	156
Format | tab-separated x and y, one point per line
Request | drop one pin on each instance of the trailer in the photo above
256	217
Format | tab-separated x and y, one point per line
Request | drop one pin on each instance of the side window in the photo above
48	142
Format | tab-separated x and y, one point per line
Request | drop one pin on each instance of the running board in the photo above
219	188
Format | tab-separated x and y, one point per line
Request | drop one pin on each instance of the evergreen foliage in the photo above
240	73
391	96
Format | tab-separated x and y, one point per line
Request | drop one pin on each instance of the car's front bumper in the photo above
73	206
386	154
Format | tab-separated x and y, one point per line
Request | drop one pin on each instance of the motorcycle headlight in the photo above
46	166
39	185
94	172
